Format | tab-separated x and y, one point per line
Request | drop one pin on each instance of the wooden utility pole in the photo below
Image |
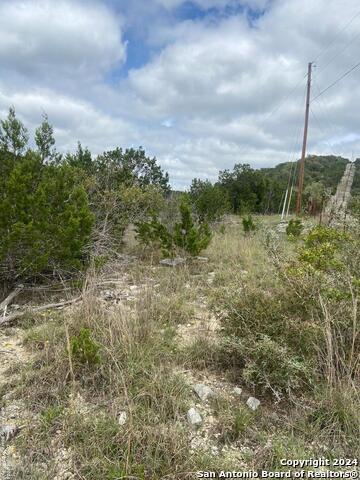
303	154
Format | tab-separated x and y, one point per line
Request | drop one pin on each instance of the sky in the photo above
200	84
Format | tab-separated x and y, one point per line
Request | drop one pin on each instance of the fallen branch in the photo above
49	306
11	297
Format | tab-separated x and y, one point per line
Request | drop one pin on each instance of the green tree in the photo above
187	235
81	159
45	219
246	187
13	134
45	141
315	194
210	202
129	167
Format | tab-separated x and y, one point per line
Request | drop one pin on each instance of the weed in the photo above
248	224
294	228
84	349
337	418
232	420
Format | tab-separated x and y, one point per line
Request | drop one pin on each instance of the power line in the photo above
319	125
337	35
285	99
337	80
262	123
323	110
338	53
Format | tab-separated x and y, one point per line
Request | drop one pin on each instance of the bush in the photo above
248	224
272	366
156	234
294	228
116	209
322	248
45	218
84	349
274	344
187	236
302	327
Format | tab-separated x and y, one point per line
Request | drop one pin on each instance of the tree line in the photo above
56	210
246	190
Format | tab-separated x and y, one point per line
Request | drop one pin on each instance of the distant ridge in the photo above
327	169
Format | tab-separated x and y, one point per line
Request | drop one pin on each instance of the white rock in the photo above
122	417
203	391
253	403
194	417
237	390
202	259
172	262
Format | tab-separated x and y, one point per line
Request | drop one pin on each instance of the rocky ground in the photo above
13	414
114	287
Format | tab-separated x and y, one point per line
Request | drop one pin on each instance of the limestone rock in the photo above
122	418
203	391
253	403
202	259
194	417
237	390
108	295
172	262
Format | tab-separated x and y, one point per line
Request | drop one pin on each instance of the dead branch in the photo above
14	316
11	297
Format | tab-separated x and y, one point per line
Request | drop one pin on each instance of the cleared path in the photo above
336	209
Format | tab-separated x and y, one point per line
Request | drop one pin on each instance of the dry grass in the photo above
78	403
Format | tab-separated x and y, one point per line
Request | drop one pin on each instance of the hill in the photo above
326	169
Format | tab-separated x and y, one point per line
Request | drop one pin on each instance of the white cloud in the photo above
74	119
49	38
222	82
208	97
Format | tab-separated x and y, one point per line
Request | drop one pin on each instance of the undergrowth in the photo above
288	335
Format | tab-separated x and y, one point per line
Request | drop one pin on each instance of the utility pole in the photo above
303	154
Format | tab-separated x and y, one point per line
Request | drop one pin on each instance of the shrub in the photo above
274	344
186	235
322	248
84	349
248	224
294	228
45	219
273	366
116	209
302	326
156	234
